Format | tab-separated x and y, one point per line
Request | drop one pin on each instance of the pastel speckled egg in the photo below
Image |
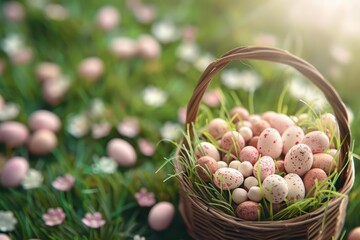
315	174
259	126
13	134
248	210
354	234
217	127
232	141
299	159
239	114
161	215
14	171
122	152
43	119
228	178
281	122
207	149
324	161
239	195
42	142
296	187
292	136
275	188
270	143
317	141
249	154
265	166
206	166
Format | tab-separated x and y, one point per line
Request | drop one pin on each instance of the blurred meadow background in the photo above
125	70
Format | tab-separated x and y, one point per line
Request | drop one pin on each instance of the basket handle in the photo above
279	56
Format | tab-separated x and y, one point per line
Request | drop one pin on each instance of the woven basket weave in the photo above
204	222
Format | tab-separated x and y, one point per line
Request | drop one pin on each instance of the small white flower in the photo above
7	221
104	165
170	131
234	79
138	237
32	179
79	125
154	96
188	51
97	108
9	111
12	44
203	61
165	32
100	130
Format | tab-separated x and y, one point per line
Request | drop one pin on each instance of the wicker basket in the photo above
204	222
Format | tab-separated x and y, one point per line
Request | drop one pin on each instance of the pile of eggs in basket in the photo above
267	156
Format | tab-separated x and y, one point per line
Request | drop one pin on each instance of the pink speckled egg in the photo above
43	119
239	114
122	152
275	188
91	68
248	210
161	216
253	141
217	127
14	171
324	161
299	159
354	234
270	143
281	122
296	187
292	136
250	154
228	178
206	166
207	149
232	141
265	166
315	174
258	127
246	133
42	142
317	141
13	134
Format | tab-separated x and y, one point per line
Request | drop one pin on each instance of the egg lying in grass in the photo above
206	166
122	152
14	171
264	167
207	149
43	119
42	142
161	215
13	134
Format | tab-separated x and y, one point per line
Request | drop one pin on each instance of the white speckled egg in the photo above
270	143
217	127
249	154
207	149
43	119
296	187
161	215
42	142
281	122
122	152
246	168
13	134
239	114
14	171
292	136
324	161
299	159
275	188
248	210
239	195
228	178
246	133
265	166
317	141
255	194
232	141
206	166
250	181
315	174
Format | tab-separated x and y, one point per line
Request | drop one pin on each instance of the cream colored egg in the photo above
296	187
239	195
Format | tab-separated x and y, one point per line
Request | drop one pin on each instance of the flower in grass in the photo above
203	61
104	165
9	111
64	183
129	127
138	237
79	125
165	31
147	148
93	220
145	198
97	108
32	179
212	98
7	221
188	51
170	131
154	96
54	216
100	130
234	79
56	12
12	43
